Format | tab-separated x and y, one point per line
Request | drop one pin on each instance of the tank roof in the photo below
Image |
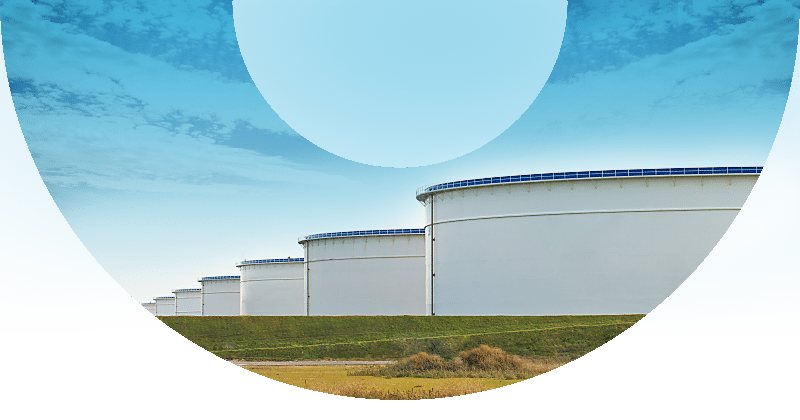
164	297
360	233
187	290
424	191
270	261
219	278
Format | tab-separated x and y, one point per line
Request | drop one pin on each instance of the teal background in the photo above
51	283
748	285
400	83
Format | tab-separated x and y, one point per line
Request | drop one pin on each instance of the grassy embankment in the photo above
124	374
397	337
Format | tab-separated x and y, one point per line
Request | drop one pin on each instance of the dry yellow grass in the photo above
420	376
335	380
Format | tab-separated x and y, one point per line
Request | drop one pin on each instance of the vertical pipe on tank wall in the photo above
241	295
306	275
433	274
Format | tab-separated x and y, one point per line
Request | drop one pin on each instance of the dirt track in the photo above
313	363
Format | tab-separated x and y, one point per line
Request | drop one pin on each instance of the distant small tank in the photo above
372	272
220	295
165	305
272	287
188	302
150	306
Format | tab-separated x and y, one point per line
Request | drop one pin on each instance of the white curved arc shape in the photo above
275	279
366	258
566	213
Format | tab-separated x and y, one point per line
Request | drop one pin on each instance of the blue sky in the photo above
168	163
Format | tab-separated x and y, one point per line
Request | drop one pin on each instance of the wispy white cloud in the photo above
604	35
112	156
45	53
140	113
715	100
179	22
97	115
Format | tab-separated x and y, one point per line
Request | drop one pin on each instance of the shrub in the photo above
423	361
482	361
487	358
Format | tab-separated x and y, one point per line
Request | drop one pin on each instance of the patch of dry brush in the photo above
480	362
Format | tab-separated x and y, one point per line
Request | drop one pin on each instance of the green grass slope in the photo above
396	337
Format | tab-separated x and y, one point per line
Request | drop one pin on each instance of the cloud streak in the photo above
157	146
727	88
97	115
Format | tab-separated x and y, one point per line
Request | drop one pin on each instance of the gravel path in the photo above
314	363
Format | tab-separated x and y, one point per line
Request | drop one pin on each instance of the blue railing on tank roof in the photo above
361	233
220	278
274	260
709	170
187	290
164	297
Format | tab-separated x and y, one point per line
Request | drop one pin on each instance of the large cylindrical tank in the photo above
220	295
593	242
272	287
188	302
165	305
374	272
150	306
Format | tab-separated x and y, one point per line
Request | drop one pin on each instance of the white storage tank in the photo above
272	287
220	295
374	272
188	302
150	306
593	242
165	305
